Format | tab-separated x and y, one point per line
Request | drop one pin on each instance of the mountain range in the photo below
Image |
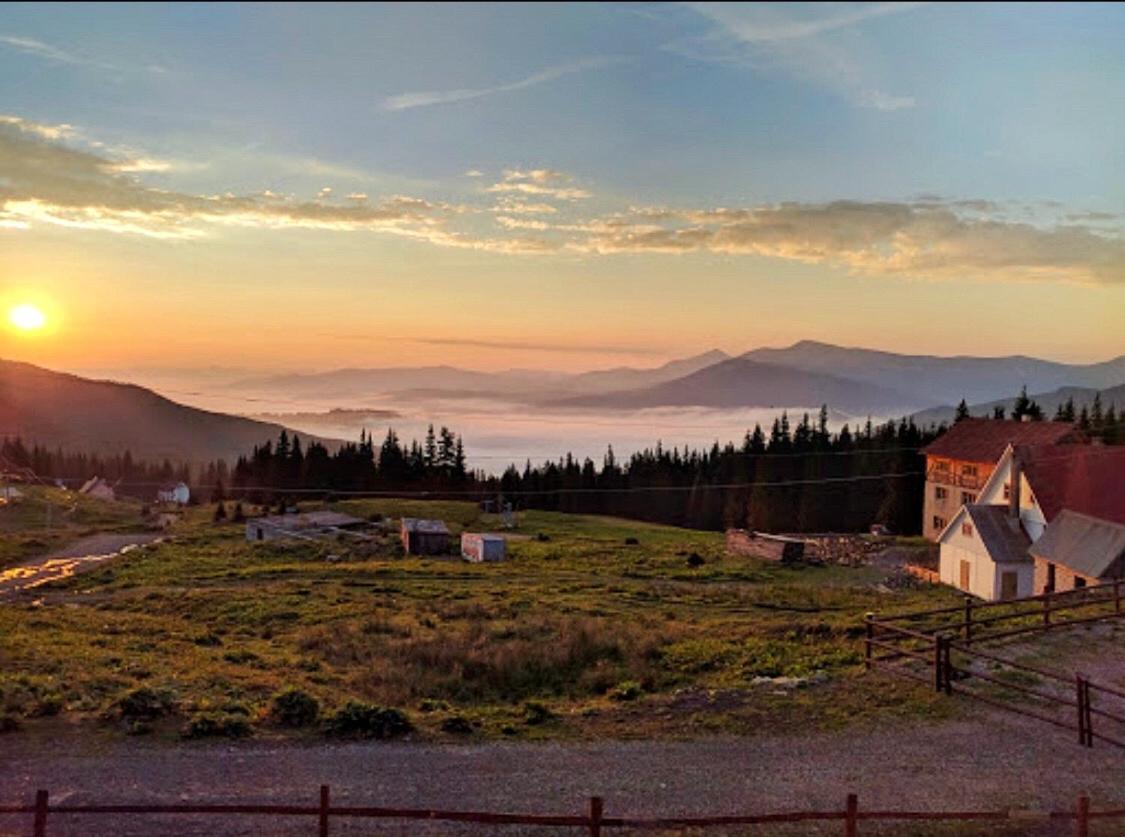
79	414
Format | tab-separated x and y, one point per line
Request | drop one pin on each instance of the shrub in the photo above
695	560
457	725
356	719
206	725
8	723
632	542
145	704
294	708
542	538
627	690
536	713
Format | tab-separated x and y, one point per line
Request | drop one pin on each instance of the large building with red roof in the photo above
960	461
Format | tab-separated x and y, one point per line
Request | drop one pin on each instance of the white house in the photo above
177	493
98	488
1049	518
984	552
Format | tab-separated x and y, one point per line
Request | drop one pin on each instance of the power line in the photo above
489	491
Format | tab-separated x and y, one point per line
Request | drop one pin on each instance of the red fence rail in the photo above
593	821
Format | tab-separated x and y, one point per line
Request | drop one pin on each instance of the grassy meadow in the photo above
581	632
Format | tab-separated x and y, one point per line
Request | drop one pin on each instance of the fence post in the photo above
1089	714
968	620
1047	612
938	679
1117	595
324	810
851	818
40	829
1082	817
947	663
869	619
1080	697
596	806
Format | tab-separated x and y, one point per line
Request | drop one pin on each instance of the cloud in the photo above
46	180
474	173
540	182
904	239
822	49
48	52
405	101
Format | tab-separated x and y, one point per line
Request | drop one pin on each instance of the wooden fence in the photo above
936	647
593	822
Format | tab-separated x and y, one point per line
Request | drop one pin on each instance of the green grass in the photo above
543	645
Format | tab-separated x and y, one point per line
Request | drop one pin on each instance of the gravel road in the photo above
995	761
81	556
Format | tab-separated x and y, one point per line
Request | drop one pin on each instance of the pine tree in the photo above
962	411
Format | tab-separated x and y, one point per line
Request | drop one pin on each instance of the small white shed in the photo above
478	548
177	493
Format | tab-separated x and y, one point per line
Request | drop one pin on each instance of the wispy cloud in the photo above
820	48
50	52
405	101
544	183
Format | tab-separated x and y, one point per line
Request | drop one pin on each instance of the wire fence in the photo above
593	820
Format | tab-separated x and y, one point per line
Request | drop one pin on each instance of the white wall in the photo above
984	573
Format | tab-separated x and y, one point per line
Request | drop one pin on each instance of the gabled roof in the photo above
428	527
1081	543
1004	539
984	440
309	520
1089	479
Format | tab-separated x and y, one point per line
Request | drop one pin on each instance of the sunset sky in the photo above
558	186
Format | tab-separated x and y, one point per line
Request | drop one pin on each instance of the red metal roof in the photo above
985	440
1088	479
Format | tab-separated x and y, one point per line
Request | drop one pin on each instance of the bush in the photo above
356	719
8	723
208	725
537	713
145	704
632	542
294	708
627	690
457	725
695	560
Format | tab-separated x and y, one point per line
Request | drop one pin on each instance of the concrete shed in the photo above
424	537
478	548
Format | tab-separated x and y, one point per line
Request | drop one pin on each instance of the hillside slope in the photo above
56	409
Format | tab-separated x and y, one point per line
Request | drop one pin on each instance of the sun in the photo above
27	317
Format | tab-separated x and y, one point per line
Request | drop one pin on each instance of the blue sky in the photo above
982	135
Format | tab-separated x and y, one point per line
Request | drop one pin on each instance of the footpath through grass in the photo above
578	633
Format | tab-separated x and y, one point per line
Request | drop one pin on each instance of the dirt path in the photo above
993	761
81	556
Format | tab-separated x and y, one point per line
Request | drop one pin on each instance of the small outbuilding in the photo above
310	525
424	537
98	488
479	548
177	493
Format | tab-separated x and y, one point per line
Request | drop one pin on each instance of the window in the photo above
967	529
939	522
969	470
1079	582
1049	587
940	493
967	497
1007	491
941	465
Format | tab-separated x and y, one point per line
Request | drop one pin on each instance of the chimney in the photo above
1015	472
